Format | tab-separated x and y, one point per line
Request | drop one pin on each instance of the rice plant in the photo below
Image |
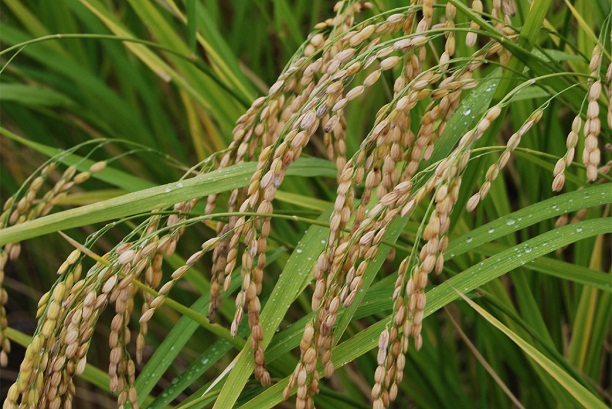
385	204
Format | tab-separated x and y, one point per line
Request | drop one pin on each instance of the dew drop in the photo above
579	230
168	189
491	231
510	222
179	184
527	250
469	239
467	112
298	250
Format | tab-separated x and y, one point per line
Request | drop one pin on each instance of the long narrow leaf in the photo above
586	398
156	197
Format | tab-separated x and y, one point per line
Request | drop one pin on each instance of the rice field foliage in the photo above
300	204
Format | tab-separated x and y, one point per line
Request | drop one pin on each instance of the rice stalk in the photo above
388	176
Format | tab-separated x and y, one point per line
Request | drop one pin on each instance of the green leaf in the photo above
36	97
154	198
295	276
586	398
545	209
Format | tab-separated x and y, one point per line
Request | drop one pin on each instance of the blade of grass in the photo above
192	25
480	358
556	268
32	96
157	197
223	60
550	351
586	35
568	202
587	309
224	110
32	23
586	398
291	282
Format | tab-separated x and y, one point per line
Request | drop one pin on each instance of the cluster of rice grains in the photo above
68	313
385	165
591	155
28	207
378	184
24	206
